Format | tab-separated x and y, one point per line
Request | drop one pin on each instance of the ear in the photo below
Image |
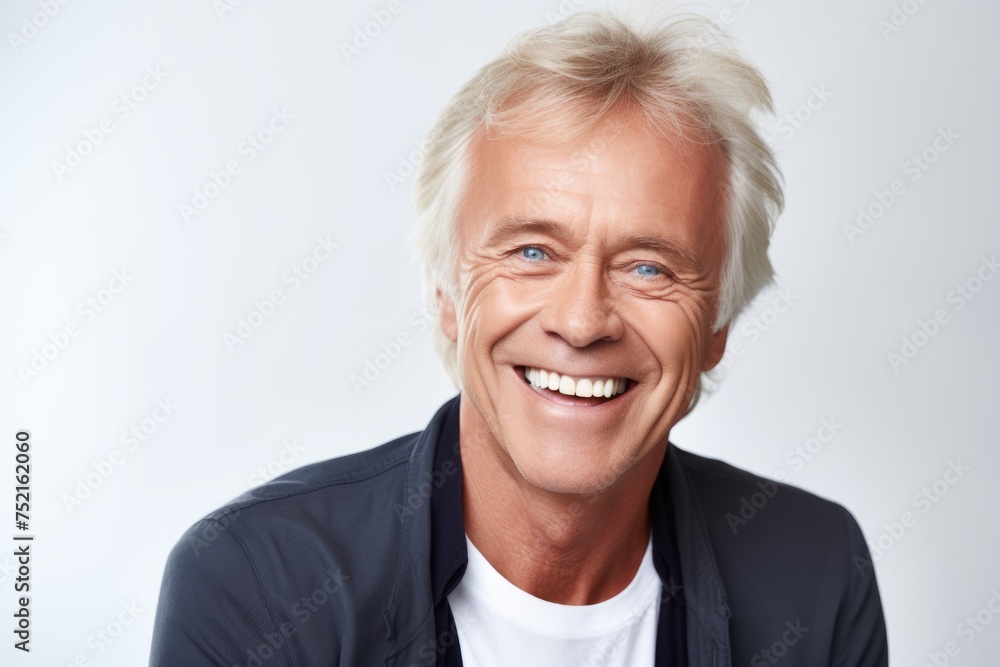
715	348
446	313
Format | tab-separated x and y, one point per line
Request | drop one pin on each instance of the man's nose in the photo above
582	310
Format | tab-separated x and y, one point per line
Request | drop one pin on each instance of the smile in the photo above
584	387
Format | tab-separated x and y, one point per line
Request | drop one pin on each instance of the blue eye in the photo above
649	271
532	253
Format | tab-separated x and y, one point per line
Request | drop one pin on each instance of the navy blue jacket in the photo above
348	561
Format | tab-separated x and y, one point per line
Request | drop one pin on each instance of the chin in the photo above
566	469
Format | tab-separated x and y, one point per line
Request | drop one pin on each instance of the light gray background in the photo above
887	94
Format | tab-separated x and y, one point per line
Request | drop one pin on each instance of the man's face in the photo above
598	260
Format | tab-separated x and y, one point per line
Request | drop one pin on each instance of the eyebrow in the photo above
510	228
662	246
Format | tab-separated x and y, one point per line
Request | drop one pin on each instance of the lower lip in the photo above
579	405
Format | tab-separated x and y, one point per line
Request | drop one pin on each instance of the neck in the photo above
566	548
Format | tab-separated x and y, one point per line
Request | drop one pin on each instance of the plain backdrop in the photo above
117	301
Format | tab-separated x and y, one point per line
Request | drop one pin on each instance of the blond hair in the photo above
680	70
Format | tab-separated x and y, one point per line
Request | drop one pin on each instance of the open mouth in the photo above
579	390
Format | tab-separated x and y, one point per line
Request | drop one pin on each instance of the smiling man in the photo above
595	211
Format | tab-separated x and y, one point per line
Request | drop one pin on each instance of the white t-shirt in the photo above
500	625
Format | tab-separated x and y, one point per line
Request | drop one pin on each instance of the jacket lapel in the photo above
704	596
409	612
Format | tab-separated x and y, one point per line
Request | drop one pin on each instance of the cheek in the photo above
497	305
672	330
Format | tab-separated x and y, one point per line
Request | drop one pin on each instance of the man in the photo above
595	211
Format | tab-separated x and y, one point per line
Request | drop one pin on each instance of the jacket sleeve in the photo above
211	609
859	636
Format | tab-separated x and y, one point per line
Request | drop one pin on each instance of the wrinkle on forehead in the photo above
549	179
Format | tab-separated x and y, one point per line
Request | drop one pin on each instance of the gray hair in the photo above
681	71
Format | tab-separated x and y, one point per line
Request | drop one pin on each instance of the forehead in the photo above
621	177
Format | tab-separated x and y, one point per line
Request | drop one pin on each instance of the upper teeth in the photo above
571	386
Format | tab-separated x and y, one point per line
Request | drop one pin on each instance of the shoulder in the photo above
283	554
316	505
779	532
737	501
754	521
787	555
339	477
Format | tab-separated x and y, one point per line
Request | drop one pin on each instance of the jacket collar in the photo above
410	608
705	596
434	473
449	553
